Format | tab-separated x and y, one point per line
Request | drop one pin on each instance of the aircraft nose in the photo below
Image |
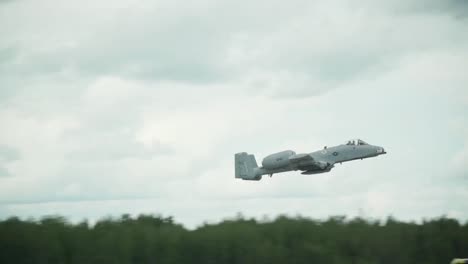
381	150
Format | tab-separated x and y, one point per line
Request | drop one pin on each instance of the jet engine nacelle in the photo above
277	160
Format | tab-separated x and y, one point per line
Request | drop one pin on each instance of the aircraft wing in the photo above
307	162
301	158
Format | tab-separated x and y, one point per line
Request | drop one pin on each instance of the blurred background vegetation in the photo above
157	239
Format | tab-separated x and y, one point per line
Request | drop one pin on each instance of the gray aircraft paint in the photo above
320	161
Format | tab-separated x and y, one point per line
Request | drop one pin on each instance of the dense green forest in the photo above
155	239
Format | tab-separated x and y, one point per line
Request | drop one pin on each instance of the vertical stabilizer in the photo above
246	167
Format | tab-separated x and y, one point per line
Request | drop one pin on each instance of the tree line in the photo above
158	239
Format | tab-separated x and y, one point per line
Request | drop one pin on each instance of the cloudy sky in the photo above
124	106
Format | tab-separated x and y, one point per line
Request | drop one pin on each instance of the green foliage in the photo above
156	239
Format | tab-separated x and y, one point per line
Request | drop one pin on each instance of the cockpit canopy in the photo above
355	142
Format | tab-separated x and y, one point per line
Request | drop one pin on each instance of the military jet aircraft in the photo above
321	161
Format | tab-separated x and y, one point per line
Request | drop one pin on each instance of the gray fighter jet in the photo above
321	161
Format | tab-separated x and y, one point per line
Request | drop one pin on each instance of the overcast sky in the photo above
124	106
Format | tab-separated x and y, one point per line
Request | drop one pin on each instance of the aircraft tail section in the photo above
246	167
